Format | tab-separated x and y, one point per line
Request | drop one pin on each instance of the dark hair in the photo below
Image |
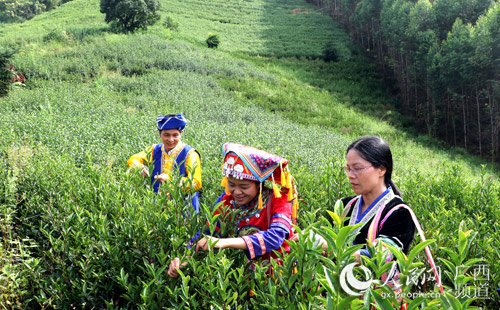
376	152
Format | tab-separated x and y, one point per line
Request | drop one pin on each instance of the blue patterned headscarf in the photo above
171	121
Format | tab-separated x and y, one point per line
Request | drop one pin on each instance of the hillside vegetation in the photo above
440	58
79	232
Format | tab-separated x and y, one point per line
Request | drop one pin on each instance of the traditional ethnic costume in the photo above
387	220
182	157
265	224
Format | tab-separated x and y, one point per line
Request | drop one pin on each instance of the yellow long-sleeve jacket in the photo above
140	159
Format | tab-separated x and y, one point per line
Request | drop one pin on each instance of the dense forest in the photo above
441	58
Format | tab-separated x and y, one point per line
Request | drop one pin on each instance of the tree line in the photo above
442	59
21	10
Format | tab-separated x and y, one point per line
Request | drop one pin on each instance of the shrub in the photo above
170	23
130	15
5	73
330	53
213	40
55	35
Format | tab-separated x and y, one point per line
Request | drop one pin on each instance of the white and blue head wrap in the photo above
171	121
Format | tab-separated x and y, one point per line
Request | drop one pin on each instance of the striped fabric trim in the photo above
262	174
394	239
280	225
282	222
386	217
249	243
375	212
281	216
427	249
262	243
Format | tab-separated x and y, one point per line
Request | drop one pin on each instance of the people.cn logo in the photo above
350	284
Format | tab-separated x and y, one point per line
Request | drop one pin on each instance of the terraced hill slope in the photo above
100	239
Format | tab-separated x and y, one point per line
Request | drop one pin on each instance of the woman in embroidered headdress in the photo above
264	216
378	205
171	154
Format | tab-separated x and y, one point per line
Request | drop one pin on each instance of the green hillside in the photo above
90	236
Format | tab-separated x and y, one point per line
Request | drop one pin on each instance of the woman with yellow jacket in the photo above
169	155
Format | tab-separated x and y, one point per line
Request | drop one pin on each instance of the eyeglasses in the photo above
355	171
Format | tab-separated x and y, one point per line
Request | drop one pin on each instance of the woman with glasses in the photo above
369	169
378	206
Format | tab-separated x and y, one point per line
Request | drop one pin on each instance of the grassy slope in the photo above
341	95
93	94
252	28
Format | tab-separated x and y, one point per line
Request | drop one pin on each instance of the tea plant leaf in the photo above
415	303
329	281
335	218
473	261
454	256
383	303
418	248
462	241
450	300
345	302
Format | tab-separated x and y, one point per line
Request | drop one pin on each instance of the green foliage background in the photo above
21	10
77	231
439	57
130	15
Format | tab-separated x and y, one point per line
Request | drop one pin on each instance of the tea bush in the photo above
170	23
136	54
213	40
19	11
330	53
55	35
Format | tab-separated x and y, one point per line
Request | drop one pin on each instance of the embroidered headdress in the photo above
171	121
246	162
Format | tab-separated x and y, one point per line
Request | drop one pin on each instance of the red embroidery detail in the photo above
262	243
250	246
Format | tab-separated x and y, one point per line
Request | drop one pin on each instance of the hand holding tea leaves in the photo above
175	265
162	177
204	245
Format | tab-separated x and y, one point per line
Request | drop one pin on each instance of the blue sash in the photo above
192	199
